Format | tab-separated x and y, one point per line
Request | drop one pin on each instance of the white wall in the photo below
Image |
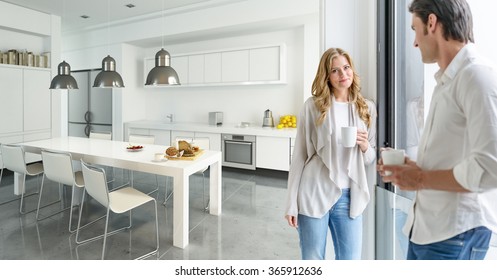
238	25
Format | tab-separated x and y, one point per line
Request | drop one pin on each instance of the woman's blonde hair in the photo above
322	89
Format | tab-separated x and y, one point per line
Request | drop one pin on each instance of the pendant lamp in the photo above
162	74
64	80
108	77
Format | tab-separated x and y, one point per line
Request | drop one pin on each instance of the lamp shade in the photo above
108	77
63	80
162	74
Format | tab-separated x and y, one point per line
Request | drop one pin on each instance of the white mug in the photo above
158	156
349	136
392	157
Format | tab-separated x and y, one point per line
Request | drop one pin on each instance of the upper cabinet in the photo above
247	66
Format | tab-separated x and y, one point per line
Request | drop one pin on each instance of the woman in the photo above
327	185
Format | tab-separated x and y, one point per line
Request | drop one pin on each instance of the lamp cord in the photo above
163	16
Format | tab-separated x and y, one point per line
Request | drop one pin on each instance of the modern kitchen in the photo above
244	70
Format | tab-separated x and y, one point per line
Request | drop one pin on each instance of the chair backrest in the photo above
141	139
95	183
58	167
105	135
13	158
202	142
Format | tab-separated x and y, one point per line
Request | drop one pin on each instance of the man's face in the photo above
423	40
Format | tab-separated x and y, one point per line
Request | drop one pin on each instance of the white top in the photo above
460	134
341	120
312	180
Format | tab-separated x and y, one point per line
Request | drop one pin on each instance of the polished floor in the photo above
251	227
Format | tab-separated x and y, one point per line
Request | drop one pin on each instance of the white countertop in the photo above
225	128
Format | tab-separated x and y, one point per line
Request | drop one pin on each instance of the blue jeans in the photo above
345	232
470	245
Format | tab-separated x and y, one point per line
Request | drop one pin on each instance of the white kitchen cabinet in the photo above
162	137
214	139
212	68
264	64
25	105
181	134
11	100
241	66
235	66
37	100
196	69
273	153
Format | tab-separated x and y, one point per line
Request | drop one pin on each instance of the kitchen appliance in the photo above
268	119
215	118
239	151
89	108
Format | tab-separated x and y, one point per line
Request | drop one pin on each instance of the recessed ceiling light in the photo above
130	6
85	16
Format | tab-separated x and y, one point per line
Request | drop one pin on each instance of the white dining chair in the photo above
58	167
13	158
138	139
204	144
118	202
104	135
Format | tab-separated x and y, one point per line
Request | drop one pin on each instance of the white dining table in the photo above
115	154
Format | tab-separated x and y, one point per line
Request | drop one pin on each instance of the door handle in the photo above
87	130
87	116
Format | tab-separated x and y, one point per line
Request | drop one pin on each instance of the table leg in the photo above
181	210
19	183
215	189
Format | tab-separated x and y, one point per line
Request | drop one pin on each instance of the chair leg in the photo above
156	251
206	205
105	232
51	203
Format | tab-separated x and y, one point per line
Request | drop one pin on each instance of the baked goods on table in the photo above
172	151
186	147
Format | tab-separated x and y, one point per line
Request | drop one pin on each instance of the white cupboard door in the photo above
214	139
273	153
235	66
180	64
212	66
162	137
196	69
11	109
265	64
37	100
176	134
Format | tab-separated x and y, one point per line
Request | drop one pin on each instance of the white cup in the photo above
158	156
349	136
392	157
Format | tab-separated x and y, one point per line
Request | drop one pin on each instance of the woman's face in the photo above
341	74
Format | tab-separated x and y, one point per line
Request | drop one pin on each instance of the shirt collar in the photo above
455	65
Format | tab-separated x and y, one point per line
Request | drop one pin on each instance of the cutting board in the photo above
196	155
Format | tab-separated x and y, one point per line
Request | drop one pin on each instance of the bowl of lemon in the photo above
287	121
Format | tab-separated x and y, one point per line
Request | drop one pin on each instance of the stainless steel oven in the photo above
239	151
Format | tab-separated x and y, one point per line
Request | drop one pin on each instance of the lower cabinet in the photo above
162	137
272	153
214	138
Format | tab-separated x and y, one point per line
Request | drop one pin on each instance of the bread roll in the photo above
172	151
185	146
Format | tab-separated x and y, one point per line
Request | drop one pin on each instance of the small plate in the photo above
137	148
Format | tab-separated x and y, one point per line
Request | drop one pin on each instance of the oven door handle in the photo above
238	142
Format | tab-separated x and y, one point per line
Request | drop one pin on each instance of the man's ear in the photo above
432	23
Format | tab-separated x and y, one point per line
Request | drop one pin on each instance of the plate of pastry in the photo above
134	148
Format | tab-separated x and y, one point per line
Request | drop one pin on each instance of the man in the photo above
455	176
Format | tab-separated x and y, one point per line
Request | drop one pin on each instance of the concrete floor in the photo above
251	227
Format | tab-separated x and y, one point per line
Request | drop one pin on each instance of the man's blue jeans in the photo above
470	245
346	233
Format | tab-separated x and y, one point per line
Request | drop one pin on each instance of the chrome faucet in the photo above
170	117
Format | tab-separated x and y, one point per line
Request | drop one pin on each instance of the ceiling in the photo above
101	12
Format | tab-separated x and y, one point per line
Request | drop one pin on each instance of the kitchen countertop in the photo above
223	129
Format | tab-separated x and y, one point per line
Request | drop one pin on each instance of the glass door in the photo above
401	118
